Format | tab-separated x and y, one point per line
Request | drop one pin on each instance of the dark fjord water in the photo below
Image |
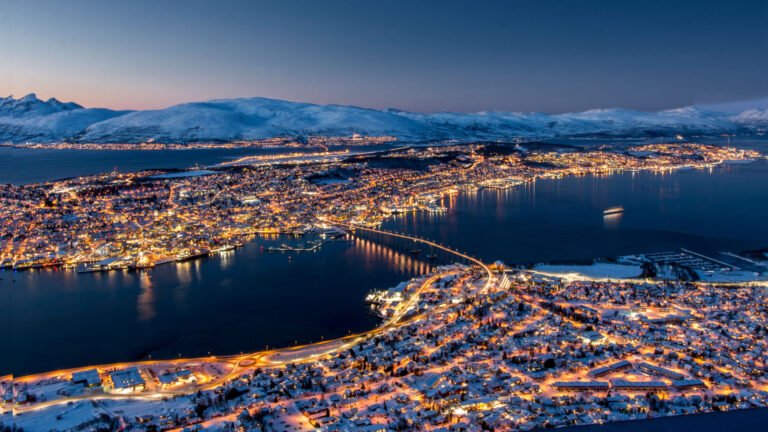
722	209
224	304
24	166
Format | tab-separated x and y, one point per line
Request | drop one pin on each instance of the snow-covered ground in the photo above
608	271
57	419
730	276
594	271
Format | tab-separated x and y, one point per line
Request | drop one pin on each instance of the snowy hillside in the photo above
30	119
226	120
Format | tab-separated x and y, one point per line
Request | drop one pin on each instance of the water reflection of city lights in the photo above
611	221
146	300
401	262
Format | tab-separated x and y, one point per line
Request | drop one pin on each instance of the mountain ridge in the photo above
29	119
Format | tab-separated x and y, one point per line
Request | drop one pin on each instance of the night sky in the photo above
552	56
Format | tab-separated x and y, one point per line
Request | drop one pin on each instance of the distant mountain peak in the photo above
31	97
30	103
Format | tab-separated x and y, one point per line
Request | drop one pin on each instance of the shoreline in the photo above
439	195
228	357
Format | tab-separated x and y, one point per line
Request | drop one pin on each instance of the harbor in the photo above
167	310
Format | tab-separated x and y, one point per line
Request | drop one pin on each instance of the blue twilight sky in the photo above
536	55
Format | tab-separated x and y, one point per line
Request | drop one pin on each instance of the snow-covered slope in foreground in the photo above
31	120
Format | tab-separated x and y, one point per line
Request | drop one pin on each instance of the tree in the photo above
549	363
200	409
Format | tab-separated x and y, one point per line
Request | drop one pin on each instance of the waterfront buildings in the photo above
139	220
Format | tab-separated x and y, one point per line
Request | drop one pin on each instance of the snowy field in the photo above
594	271
733	276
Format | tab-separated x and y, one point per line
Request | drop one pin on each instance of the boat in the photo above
332	233
415	251
613	210
143	265
191	254
308	247
435	208
432	256
224	248
107	264
165	260
282	248
36	262
23	264
90	268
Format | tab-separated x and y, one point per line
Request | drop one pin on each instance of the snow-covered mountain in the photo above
30	119
253	118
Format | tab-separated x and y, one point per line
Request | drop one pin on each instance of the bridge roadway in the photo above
267	358
423	241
